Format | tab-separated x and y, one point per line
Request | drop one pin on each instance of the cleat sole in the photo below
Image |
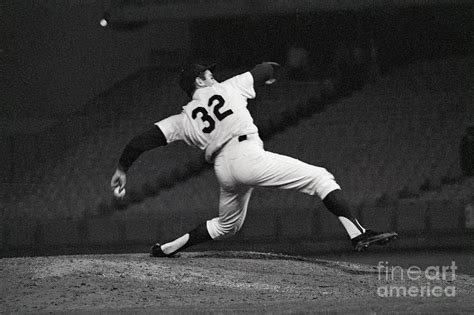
379	240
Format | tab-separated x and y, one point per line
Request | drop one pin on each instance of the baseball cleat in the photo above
155	251
370	237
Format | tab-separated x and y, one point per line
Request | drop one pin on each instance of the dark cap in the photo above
188	75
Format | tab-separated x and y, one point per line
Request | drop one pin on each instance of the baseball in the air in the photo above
118	193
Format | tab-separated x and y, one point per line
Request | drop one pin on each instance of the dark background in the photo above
74	93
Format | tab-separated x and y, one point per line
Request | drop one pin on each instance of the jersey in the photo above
215	115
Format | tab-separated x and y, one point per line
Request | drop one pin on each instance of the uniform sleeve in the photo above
172	127
150	139
244	83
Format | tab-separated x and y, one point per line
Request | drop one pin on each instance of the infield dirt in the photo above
213	282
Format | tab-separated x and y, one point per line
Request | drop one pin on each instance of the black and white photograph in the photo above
236	156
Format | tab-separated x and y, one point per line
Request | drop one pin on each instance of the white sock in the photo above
352	229
173	246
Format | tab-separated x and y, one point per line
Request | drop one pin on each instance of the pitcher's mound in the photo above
219	281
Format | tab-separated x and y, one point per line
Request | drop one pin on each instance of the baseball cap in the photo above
189	73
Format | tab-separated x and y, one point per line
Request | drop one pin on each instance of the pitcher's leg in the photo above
337	205
196	236
288	173
232	212
361	238
233	202
284	172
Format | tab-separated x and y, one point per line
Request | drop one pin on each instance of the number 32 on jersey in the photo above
215	104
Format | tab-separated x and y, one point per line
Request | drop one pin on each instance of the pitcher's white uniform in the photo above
215	121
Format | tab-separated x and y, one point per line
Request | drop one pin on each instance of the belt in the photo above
242	138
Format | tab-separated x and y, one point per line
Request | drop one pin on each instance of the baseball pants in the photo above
242	165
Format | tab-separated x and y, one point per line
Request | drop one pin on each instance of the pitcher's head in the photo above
195	76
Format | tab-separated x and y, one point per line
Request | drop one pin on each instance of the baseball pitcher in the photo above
217	121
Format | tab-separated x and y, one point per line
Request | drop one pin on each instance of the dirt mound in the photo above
214	281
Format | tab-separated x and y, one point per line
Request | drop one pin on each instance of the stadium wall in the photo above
421	224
